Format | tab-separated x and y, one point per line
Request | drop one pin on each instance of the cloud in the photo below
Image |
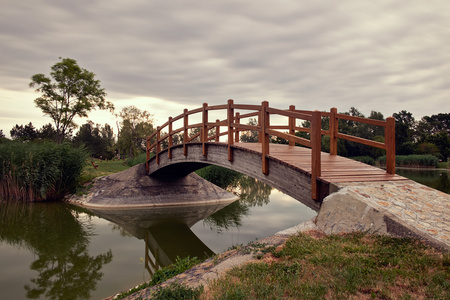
381	55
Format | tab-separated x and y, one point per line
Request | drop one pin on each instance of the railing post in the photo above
292	125
217	131
334	126
236	130
185	134
230	119
316	137
260	133
204	134
147	151
390	145
169	149
265	123
158	143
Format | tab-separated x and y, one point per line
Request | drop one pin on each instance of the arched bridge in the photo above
299	168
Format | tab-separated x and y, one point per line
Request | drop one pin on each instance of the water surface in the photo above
59	251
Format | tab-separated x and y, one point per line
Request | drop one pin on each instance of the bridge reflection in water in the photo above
165	230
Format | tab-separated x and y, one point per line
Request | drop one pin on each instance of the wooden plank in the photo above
288	113
246	106
361	140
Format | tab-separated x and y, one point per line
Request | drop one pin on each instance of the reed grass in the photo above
39	171
412	161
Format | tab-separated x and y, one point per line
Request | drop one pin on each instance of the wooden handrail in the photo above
265	130
389	135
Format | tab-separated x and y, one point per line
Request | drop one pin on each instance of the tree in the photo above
1	134
24	133
47	132
97	139
75	92
404	132
29	133
433	125
136	125
250	136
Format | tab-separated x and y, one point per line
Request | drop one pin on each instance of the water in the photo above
438	179
59	251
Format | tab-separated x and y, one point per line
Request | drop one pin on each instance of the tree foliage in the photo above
98	140
24	133
30	133
73	92
136	125
250	136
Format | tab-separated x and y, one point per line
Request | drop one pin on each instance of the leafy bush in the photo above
412	161
140	159
365	159
39	171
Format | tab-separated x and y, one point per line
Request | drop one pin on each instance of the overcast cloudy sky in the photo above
167	55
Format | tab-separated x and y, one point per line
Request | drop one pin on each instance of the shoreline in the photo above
214	267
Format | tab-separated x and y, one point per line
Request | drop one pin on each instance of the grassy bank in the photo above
104	168
315	266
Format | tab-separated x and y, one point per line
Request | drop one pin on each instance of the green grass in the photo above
104	168
340	267
444	165
412	160
140	159
315	266
165	273
178	292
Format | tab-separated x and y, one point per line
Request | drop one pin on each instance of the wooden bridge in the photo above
182	146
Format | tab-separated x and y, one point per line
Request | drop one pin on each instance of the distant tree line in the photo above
430	135
99	140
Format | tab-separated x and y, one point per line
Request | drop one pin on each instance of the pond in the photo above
60	251
438	179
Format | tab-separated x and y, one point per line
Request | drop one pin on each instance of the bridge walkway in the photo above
335	169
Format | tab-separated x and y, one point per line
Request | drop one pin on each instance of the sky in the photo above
166	55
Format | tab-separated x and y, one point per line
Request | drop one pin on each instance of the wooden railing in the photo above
264	128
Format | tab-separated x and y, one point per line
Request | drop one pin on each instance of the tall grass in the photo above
412	161
39	171
139	159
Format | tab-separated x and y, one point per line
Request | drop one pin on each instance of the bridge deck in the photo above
335	168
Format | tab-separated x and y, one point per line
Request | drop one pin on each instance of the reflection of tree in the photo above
251	192
254	192
220	176
227	217
60	241
70	275
120	230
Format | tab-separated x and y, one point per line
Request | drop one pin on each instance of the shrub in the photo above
139	159
365	159
412	161
39	171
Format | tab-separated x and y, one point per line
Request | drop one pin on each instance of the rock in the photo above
133	188
343	212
